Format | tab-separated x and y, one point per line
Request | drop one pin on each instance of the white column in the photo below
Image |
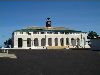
64	41
76	41
39	41
24	42
46	40
81	43
32	42
70	41
15	42
53	42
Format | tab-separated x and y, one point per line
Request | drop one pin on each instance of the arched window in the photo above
67	41
36	43
73	41
78	41
50	41
28	42
20	42
62	41
43	42
56	41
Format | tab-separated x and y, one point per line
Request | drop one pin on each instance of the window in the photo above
66	32
62	41
35	32
55	32
78	41
21	32
73	42
61	32
56	41
28	42
20	42
28	33
36	43
49	32
42	32
67	41
50	41
43	42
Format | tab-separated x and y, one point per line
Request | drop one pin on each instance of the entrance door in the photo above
73	41
20	42
62	41
28	42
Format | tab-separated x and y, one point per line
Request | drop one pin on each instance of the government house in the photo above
49	37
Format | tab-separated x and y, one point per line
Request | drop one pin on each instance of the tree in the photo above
5	43
8	43
92	35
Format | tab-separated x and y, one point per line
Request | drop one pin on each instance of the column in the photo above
70	41
64	41
24	43
76	42
15	42
39	41
53	42
46	40
32	42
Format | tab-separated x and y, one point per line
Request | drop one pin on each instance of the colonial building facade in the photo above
49	38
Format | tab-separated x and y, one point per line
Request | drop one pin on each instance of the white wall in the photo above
24	36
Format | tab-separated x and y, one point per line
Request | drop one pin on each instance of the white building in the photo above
49	38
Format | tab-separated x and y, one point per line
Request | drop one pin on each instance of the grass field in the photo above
51	62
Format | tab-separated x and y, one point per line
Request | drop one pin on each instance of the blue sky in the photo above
79	15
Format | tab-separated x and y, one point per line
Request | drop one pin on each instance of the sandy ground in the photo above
52	62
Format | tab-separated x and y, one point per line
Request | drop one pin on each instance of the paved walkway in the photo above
7	55
51	62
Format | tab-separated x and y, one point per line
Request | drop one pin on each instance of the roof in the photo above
43	29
